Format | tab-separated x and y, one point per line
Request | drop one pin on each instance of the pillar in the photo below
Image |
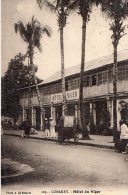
94	113
41	122
118	116
53	112
112	121
32	116
109	108
23	114
76	111
63	110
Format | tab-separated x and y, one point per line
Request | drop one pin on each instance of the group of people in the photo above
27	129
49	125
124	134
121	142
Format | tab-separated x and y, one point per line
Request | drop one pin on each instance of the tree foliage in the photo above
32	33
17	76
117	12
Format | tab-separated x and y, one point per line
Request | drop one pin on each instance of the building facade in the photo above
97	92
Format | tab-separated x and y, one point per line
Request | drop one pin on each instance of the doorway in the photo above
38	118
58	111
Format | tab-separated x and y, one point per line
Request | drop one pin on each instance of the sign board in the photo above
70	95
57	98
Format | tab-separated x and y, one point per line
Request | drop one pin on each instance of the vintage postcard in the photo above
64	97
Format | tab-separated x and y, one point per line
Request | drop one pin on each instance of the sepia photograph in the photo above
64	97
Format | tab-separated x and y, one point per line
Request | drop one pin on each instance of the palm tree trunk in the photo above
115	92
29	103
37	88
62	68
81	103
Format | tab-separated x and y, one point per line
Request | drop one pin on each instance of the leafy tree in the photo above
32	33
117	12
17	76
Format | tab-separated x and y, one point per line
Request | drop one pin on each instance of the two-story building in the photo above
97	92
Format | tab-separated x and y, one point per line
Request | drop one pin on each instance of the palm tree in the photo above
61	7
117	12
84	8
32	33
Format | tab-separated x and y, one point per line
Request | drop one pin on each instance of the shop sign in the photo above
72	95
56	98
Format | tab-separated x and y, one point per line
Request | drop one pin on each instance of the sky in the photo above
98	37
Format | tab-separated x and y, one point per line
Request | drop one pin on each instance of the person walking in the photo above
67	126
124	134
52	128
26	126
46	127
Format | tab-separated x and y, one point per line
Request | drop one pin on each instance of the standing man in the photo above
46	127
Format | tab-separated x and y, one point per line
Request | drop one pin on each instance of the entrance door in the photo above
71	109
47	112
87	113
58	111
38	118
101	112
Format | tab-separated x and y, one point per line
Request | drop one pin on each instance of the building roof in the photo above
89	65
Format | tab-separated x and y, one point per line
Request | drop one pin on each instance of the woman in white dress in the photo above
52	128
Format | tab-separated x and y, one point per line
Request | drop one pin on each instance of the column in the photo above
23	114
112	121
32	116
109	109
76	111
94	113
41	121
118	117
53	112
63	110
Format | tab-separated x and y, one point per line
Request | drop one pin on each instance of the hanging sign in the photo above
56	98
70	95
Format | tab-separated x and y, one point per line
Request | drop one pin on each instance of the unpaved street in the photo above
64	166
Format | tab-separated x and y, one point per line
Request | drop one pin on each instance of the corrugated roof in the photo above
89	65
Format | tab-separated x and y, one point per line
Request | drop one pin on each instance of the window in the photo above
56	88
46	90
102	77
93	80
110	75
73	84
99	78
86	81
122	72
66	86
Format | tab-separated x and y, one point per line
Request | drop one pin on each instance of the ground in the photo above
54	166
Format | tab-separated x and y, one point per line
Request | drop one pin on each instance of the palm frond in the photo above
73	5
47	4
47	30
19	27
39	3
115	9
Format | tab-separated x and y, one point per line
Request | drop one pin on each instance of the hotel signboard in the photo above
56	98
70	95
